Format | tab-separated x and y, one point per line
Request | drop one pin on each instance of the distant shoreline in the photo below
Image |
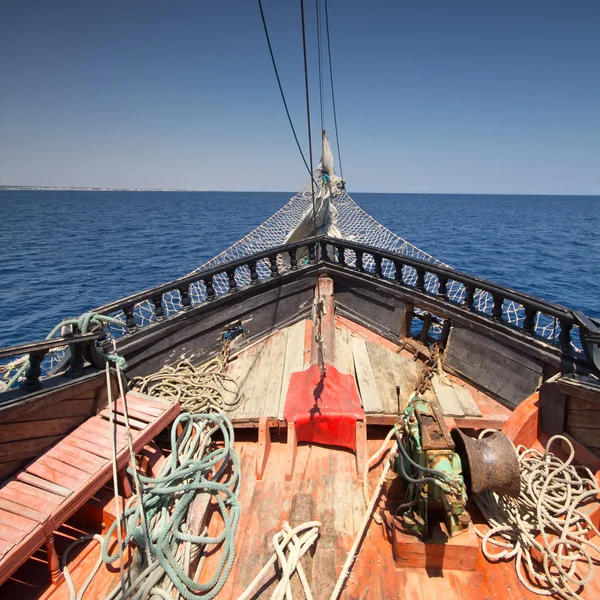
42	188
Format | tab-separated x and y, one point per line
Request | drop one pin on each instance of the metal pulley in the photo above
489	463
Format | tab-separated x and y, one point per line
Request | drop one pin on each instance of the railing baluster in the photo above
232	281
34	371
378	268
443	289
564	337
130	321
498	307
341	255
311	253
470	297
420	279
293	260
159	311
210	288
184	292
273	263
398	272
529	321
76	365
253	272
324	252
359	260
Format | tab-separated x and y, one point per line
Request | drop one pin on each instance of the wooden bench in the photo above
38	500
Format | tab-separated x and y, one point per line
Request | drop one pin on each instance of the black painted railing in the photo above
447	286
38	351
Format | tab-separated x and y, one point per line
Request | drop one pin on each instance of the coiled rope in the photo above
548	518
195	466
197	389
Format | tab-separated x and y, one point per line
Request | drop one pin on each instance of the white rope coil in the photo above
548	519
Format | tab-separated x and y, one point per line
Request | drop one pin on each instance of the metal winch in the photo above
431	469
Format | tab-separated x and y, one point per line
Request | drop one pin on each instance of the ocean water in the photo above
65	252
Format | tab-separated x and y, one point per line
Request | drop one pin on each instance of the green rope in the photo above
83	324
167	500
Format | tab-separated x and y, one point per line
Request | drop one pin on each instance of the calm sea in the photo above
66	252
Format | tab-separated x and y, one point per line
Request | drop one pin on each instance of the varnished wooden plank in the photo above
553	409
17	521
132	413
5	547
10	534
16	489
90	447
142	404
23	449
69	454
580	404
37	429
61	467
585	436
273	394
133	423
367	385
23	510
294	359
53	476
39	482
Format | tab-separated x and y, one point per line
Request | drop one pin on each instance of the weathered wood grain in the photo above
365	379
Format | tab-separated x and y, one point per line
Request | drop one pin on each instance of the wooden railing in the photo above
425	273
420	277
37	352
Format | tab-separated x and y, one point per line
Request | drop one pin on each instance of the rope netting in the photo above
353	224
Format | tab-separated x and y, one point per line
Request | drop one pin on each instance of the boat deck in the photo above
379	367
327	476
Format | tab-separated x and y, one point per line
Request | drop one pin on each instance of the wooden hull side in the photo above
498	359
198	332
572	405
31	426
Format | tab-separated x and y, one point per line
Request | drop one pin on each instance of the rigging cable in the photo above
320	61
337	137
264	22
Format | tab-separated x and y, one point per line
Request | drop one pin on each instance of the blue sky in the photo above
432	96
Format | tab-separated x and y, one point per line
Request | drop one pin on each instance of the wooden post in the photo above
264	447
53	560
361	447
292	448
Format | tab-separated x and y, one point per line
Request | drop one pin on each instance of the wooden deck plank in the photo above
449	402
35	429
132	413
294	359
365	379
384	377
10	534
263	368
344	361
134	423
89	447
273	395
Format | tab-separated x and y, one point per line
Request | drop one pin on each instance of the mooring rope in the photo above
296	542
548	518
197	389
193	468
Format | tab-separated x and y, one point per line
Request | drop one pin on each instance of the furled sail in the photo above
329	187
